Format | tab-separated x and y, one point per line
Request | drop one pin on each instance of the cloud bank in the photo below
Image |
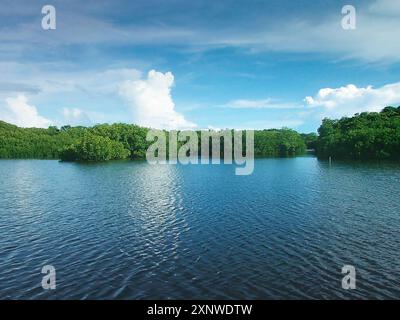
151	102
17	111
373	40
348	100
75	117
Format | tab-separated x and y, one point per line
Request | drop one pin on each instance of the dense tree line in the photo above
310	139
37	143
282	142
368	135
117	141
91	147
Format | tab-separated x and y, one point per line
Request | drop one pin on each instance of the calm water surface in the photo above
129	230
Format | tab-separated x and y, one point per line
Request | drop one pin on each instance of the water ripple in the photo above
128	230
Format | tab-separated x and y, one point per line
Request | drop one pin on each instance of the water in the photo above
129	230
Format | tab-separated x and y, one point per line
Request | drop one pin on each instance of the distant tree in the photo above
282	142
368	135
94	148
117	141
310	139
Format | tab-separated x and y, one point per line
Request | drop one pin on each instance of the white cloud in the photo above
75	116
149	97
348	100
17	111
151	101
40	79
259	104
373	40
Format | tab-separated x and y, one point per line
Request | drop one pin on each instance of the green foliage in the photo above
131	136
117	141
54	143
273	142
369	135
310	140
91	147
34	143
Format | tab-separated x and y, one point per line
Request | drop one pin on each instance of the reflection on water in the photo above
129	230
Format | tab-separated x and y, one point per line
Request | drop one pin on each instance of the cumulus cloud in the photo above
151	101
17	111
75	116
348	100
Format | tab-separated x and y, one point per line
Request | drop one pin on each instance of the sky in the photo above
197	64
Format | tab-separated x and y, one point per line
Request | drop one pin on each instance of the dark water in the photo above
129	230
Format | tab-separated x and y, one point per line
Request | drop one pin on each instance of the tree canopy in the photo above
117	141
368	135
93	147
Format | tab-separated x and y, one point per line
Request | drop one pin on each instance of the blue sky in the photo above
197	64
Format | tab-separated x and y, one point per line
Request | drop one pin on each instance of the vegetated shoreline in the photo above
117	141
365	136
